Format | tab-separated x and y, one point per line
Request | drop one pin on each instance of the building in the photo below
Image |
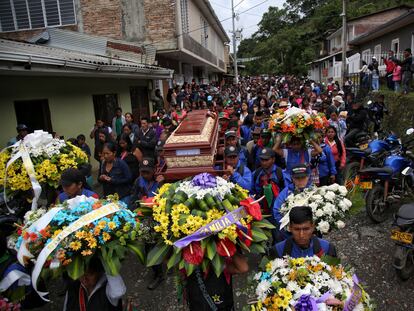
395	35
65	91
329	66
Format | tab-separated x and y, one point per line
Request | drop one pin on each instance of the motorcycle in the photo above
372	153
403	233
387	185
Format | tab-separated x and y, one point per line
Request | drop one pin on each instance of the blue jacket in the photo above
120	179
144	188
298	252
245	133
258	173
242	178
326	164
293	158
243	156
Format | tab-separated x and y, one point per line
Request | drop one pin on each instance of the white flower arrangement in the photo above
328	203
40	143
222	188
285	282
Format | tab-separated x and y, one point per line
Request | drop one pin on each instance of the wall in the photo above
404	34
70	101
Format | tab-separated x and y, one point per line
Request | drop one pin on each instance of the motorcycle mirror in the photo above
407	171
410	131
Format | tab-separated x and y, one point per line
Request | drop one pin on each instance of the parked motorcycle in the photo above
371	153
387	185
403	233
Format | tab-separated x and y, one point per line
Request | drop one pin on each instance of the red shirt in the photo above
335	151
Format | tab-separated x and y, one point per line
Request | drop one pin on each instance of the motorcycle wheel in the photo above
408	270
375	205
350	176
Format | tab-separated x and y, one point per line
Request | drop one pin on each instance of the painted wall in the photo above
70	101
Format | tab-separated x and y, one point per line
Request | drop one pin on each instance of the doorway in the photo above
139	102
104	106
35	114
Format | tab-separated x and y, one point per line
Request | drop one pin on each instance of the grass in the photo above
358	201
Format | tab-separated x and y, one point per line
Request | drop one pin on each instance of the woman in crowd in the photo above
338	150
325	164
114	174
244	112
125	153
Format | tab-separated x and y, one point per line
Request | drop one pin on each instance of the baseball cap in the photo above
338	99
230	134
266	153
147	164
166	121
231	151
154	119
300	170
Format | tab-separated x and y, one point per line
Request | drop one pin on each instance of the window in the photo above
377	52
35	114
31	14
104	107
366	55
184	16
204	32
395	45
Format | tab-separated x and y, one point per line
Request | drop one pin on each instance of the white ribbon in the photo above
76	225
13	276
284	221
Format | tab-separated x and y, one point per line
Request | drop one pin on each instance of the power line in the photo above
238	4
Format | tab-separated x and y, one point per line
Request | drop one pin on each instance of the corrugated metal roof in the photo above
72	40
25	52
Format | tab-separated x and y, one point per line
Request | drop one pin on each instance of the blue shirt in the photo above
326	164
88	193
245	180
245	132
298	252
146	188
257	187
293	158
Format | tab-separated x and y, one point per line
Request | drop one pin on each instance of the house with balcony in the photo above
329	66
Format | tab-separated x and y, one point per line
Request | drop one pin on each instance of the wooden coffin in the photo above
191	148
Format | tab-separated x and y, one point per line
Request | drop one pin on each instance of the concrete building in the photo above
330	63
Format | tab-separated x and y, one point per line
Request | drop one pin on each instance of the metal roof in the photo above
71	40
39	57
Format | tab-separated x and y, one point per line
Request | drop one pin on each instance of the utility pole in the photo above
236	74
344	42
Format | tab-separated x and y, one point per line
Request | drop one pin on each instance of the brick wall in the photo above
160	23
102	18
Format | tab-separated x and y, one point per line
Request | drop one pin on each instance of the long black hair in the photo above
126	139
337	140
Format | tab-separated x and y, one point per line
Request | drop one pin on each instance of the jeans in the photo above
375	83
406	80
350	137
396	86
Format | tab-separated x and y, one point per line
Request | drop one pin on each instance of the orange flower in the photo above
44	233
97	205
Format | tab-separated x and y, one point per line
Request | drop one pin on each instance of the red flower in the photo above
245	235
252	209
193	253
19	231
33	236
226	248
26	235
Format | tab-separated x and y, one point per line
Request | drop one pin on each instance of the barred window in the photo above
31	14
204	32
184	16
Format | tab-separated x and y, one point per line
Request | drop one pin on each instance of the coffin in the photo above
191	148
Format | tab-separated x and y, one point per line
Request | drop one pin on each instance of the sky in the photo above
248	20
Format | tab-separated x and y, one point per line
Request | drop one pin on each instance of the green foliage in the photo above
292	36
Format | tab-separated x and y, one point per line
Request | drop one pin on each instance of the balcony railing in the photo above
195	47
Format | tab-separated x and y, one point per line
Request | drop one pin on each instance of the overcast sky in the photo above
249	20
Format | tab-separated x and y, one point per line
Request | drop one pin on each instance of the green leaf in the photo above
204	264
138	248
110	261
263	263
76	268
174	260
258	235
181	264
257	248
157	254
189	268
264	223
211	249
218	264
329	260
244	246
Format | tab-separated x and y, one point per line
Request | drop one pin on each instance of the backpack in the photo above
317	249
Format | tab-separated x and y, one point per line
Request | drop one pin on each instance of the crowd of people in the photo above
130	156
398	73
